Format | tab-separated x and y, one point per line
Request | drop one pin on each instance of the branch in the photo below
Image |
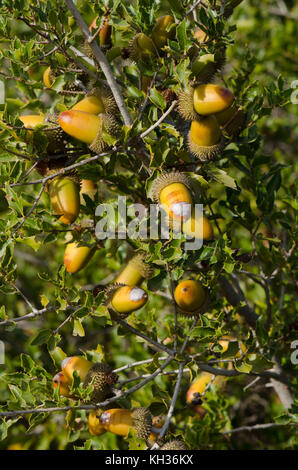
162	118
102	61
258	426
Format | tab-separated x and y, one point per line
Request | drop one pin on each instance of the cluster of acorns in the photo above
214	120
118	421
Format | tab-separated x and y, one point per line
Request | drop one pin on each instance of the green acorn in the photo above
102	378
141	48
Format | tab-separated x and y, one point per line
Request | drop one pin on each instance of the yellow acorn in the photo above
89	188
142	48
162	31
190	297
60	380
94	423
174	445
196	227
135	271
204	138
197	388
76	257
88	127
64	192
173	191
97	101
78	364
125	299
119	421
48	77
210	99
203	100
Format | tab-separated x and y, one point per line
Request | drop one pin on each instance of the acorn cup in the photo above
123	299
119	421
77	257
98	100
102	378
205	140
142	48
64	192
88	128
94	425
56	137
135	271
162	31
203	100
174	445
191	298
173	191
204	67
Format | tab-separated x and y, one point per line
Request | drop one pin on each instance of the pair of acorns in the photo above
99	375
211	109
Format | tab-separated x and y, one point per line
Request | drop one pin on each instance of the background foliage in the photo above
249	193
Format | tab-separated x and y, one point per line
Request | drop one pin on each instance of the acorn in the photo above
135	271
157	422
64	192
48	77
195	227
210	99
97	101
190	297
204	67
232	120
75	363
162	31
89	188
94	423
141	48
203	100
176	444
101	377
60	380
197	388
205	140
125	299
119	421
77	257
88	128
56	137
173	192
